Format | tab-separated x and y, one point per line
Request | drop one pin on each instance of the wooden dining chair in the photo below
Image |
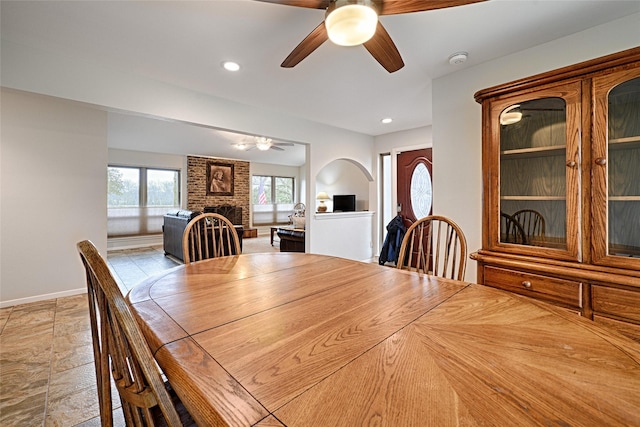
209	235
121	352
532	223
434	245
511	231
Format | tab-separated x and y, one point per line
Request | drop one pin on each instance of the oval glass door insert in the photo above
421	191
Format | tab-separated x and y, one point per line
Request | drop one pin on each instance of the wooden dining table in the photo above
294	339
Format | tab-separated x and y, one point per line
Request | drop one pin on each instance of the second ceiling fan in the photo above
354	22
263	144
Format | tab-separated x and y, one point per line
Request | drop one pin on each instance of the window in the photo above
272	199
138	198
421	191
386	206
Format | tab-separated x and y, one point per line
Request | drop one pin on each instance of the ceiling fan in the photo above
263	144
354	22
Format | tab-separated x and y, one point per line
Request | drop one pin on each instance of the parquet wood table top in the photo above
306	340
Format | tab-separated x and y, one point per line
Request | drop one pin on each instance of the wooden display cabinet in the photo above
561	170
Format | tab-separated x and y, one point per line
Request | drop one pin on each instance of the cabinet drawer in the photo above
545	288
617	302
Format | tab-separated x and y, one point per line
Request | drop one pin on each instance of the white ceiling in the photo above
184	42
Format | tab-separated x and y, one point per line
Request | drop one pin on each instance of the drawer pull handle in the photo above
601	161
571	164
526	284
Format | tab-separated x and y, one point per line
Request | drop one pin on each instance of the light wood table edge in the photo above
207	379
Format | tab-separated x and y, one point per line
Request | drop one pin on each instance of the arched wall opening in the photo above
344	234
344	176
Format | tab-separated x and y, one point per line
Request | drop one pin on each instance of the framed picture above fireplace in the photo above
219	179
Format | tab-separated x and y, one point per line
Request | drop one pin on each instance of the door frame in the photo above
394	185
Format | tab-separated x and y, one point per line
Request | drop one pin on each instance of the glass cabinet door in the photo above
537	185
616	169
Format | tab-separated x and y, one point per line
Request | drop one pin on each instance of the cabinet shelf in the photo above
624	198
625	143
552	150
533	198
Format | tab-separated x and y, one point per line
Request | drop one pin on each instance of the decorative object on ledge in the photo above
219	179
322	196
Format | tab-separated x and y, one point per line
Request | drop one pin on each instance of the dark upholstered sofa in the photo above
175	222
291	240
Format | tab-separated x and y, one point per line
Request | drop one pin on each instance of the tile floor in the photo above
47	376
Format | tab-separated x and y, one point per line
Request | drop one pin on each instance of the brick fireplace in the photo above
197	198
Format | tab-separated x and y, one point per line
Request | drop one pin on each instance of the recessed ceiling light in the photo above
386	120
231	66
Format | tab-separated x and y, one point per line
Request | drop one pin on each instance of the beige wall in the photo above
53	186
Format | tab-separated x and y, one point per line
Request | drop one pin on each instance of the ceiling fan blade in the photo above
382	48
283	144
273	147
306	46
394	7
385	7
311	4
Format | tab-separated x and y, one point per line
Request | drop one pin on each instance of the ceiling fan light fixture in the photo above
263	143
351	22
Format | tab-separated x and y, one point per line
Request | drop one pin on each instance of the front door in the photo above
415	191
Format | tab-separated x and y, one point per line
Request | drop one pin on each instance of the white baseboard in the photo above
134	242
43	297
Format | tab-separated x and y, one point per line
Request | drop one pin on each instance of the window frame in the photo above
143	192
275	211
